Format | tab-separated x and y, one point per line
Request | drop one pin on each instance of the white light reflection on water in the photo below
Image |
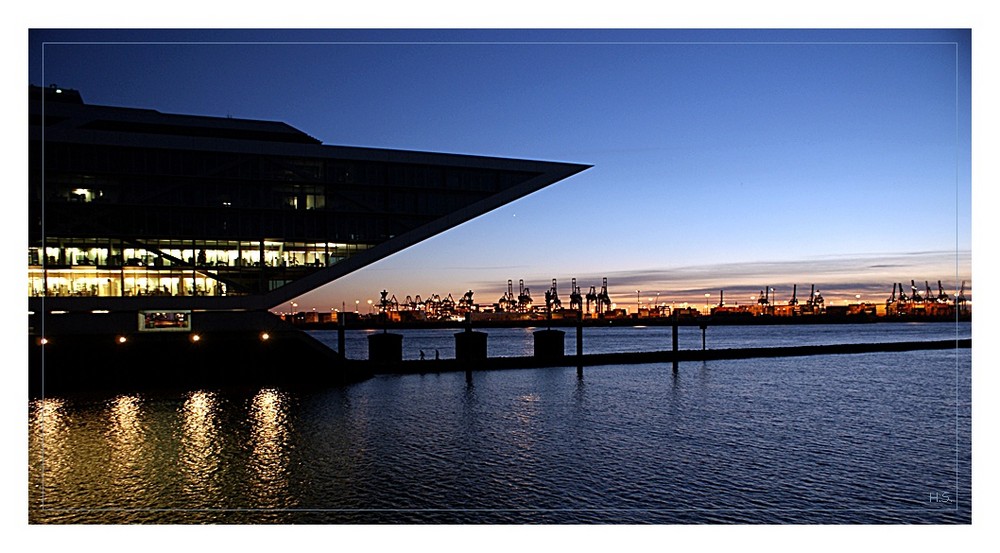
269	449
49	461
525	410
199	456
128	450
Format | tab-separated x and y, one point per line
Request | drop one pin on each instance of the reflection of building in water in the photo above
135	210
269	457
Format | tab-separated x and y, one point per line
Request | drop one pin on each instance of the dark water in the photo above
866	438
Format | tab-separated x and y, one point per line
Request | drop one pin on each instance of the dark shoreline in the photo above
715	320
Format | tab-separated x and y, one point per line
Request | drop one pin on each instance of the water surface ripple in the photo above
864	438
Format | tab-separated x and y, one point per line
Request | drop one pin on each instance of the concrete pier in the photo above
594	359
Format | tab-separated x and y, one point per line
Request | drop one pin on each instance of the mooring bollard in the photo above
579	344
385	348
341	341
550	344
470	345
674	340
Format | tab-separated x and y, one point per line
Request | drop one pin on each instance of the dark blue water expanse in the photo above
861	438
514	342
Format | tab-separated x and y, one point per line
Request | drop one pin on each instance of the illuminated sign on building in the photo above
164	321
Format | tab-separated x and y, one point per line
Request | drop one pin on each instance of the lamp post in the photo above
636	303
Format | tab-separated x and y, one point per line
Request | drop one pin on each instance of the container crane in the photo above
815	298
383	302
506	302
892	298
603	298
552	298
591	297
575	297
448	305
795	299
762	297
942	296
466	302
523	298
433	305
961	299
914	294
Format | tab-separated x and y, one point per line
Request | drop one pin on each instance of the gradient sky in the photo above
721	159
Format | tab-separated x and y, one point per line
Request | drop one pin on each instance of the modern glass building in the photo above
142	221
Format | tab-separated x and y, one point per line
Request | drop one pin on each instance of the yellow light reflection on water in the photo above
269	457
125	432
129	463
200	449
48	444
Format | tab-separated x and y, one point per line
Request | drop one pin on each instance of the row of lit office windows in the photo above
128	282
207	254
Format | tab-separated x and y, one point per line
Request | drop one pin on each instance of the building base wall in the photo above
241	349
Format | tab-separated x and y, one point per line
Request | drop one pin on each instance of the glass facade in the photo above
130	202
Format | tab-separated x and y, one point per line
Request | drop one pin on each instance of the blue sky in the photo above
722	159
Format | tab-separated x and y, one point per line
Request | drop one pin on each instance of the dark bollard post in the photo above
674	340
703	327
470	346
341	342
385	348
549	344
579	344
